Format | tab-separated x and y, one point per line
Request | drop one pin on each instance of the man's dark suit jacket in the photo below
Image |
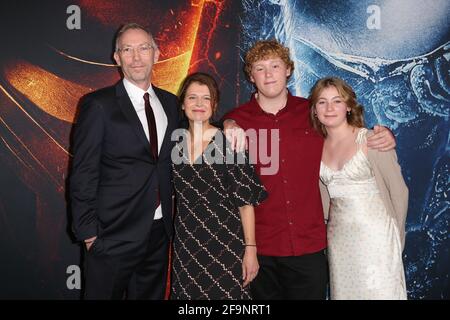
114	179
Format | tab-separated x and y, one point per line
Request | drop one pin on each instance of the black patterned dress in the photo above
208	243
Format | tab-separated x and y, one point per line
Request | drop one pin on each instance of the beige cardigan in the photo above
389	180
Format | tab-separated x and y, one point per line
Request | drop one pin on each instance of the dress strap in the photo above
361	138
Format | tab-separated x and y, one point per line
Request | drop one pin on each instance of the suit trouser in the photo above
291	278
128	269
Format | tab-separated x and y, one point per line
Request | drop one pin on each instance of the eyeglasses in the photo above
143	50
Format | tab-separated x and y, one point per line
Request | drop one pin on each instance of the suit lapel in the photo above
170	119
130	114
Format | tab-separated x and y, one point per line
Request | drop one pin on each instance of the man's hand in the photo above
235	135
382	140
89	242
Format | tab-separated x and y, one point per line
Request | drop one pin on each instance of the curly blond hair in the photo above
266	49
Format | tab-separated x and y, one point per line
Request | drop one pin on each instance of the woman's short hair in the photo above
204	79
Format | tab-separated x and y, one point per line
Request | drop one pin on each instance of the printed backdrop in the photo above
395	54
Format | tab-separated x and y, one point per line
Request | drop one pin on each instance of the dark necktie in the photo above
151	126
152	133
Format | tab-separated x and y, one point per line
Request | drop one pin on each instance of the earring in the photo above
349	113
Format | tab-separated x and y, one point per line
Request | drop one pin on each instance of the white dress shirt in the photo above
136	95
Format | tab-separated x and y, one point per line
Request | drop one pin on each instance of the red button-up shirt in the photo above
290	221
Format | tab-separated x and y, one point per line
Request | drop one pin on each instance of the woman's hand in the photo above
250	265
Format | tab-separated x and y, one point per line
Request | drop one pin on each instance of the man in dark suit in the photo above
120	186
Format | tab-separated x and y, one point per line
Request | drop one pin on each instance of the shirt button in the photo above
282	160
284	181
287	202
306	131
290	223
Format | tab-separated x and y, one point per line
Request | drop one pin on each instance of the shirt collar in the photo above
135	92
257	108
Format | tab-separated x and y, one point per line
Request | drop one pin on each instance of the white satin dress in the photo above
364	247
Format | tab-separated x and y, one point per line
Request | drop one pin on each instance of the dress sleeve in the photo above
244	185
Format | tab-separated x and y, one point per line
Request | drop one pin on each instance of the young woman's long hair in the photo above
355	117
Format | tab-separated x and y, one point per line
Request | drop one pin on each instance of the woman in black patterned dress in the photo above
214	249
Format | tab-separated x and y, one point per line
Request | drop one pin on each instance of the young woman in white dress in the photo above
364	196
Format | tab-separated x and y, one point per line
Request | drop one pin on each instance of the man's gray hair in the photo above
131	26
